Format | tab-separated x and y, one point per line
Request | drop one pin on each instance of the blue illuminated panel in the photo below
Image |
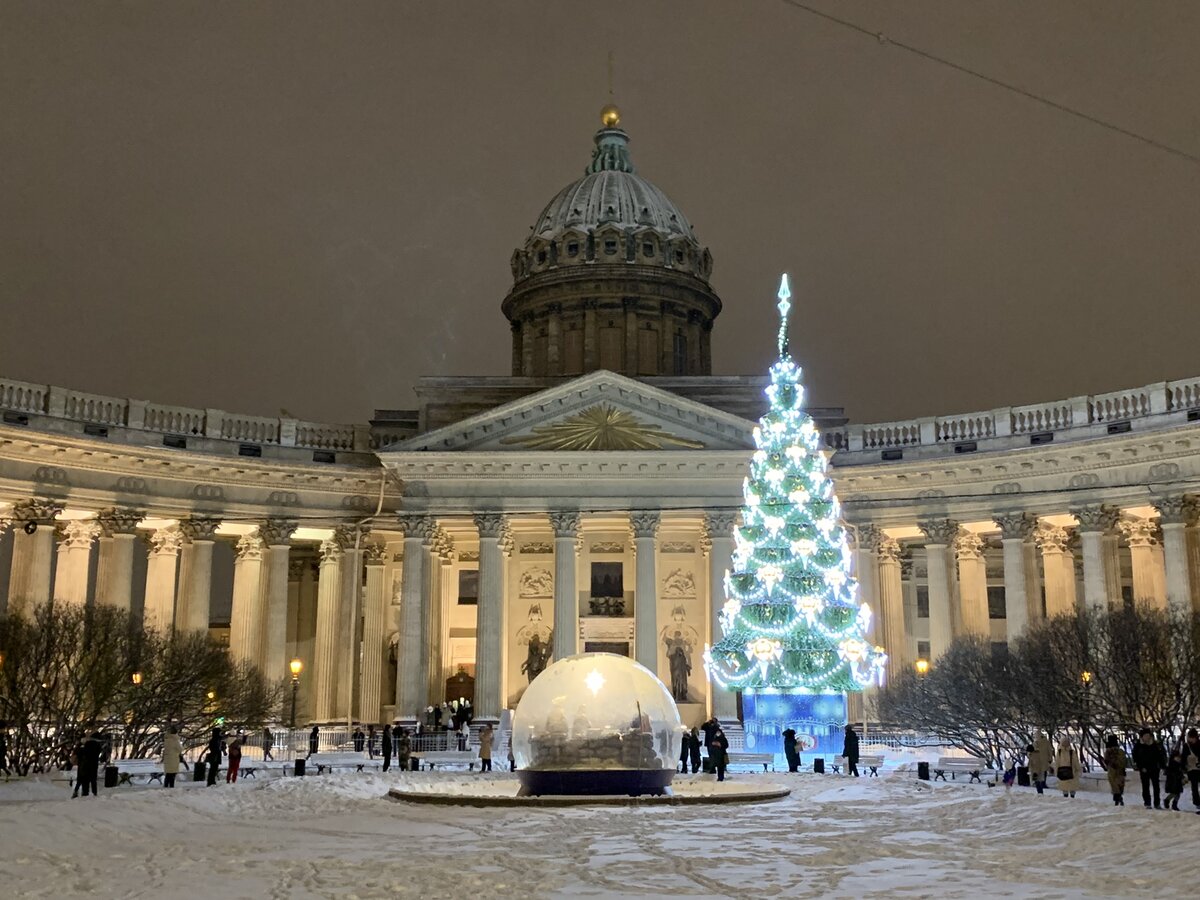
819	720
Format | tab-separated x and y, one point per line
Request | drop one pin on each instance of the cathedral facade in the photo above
586	501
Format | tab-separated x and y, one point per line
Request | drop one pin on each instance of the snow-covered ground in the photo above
337	836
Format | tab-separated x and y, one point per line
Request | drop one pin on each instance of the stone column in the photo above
410	677
246	614
1094	523
908	584
277	536
159	608
866	571
940	534
1015	528
431	625
1058	563
1139	534
195	574
645	600
324	675
972	584
719	526
349	616
114	567
1193	553
370	695
74	558
891	601
489	627
32	555
566	596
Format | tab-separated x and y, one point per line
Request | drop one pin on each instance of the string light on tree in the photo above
792	611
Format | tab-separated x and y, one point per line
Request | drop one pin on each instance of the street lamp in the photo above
922	666
1086	678
136	678
296	666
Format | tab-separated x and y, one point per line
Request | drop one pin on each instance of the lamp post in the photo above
136	678
1086	678
296	666
922	667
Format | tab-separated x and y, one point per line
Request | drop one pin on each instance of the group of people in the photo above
715	744
1149	758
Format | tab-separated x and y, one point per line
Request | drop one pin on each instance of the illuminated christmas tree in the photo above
792	622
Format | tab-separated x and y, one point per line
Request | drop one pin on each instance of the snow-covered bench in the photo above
331	761
870	763
128	769
431	759
270	765
751	759
968	765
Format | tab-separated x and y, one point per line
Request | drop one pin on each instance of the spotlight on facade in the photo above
922	666
30	527
1086	677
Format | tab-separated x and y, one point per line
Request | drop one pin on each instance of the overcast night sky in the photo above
255	206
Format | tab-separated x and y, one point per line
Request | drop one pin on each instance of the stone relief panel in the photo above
607	547
537	548
537	583
677	547
679	584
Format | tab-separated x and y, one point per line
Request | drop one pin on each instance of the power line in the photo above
881	38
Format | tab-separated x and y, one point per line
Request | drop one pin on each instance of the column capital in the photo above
442	544
644	523
374	554
889	550
415	525
198	528
565	523
1099	517
296	567
1015	524
330	550
35	509
720	523
249	547
507	542
166	541
1138	532
1051	539
865	537
116	520
968	545
345	533
1177	509
939	531
491	524
78	534
277	532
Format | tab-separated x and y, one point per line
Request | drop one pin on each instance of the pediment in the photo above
598	412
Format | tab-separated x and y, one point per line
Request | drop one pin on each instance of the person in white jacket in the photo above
1066	768
172	756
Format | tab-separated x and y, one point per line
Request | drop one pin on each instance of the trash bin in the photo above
414	764
923	770
298	771
111	777
1023	776
707	766
199	771
819	765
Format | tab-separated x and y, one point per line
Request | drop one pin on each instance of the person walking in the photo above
359	740
172	756
1039	760
268	743
718	752
486	736
850	751
1116	761
89	763
685	751
1067	768
1190	751
314	740
387	746
4	750
1173	783
235	760
215	752
1148	759
464	734
371	741
789	749
403	750
695	748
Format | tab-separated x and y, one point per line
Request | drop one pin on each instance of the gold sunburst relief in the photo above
601	427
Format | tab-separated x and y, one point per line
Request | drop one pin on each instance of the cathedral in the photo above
584	502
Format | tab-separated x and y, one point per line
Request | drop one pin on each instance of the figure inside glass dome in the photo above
581	725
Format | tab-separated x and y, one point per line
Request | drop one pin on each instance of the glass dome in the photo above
596	712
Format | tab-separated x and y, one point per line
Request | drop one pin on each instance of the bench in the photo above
969	765
870	763
434	758
270	765
751	759
128	769
331	761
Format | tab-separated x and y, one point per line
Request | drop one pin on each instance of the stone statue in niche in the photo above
680	640
538	639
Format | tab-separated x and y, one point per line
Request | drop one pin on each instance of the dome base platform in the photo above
591	782
474	791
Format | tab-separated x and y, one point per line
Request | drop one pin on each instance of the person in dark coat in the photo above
685	751
1148	759
694	746
403	750
1190	751
387	747
709	728
789	749
718	752
89	762
850	751
314	740
268	742
215	750
4	749
360	740
1173	783
235	760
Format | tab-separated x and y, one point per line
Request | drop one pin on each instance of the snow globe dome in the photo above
596	723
